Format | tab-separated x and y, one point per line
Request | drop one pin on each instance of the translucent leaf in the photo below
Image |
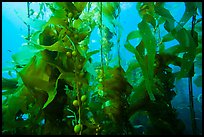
133	35
106	22
24	55
57	46
80	6
51	96
129	47
89	54
56	21
77	23
68	77
36	23
35	36
90	68
150	44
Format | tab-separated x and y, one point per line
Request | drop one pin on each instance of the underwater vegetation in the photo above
61	89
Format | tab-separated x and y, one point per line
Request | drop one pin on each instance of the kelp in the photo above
61	69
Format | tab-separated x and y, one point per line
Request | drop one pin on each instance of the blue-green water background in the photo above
13	29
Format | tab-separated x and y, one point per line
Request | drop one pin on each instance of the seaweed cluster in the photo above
62	91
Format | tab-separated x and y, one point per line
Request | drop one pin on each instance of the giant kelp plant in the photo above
63	91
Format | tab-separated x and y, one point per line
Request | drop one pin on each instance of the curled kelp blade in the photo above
9	83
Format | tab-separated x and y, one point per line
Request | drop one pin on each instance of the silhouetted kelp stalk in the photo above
190	75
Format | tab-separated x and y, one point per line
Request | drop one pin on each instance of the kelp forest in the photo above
66	87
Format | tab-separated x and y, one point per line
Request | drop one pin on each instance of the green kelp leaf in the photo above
57	46
138	95
175	50
36	23
108	9
69	6
129	47
61	13
35	36
90	67
141	49
168	37
77	23
51	95
68	77
106	22
150	44
184	37
9	83
133	35
186	64
190	44
189	12
80	6
169	24
132	66
24	55
161	20
59	5
148	18
15	102
81	51
48	36
89	54
35	82
56	21
164	13
198	81
35	78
